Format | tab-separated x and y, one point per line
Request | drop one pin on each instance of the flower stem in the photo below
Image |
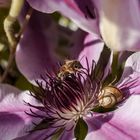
14	45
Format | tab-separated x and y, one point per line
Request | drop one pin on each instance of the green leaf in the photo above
81	130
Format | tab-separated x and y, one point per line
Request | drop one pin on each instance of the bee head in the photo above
74	64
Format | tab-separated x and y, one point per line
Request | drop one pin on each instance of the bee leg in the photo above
9	21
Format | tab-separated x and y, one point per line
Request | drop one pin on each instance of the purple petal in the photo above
132	64
36	52
43	135
37	135
123	56
124	124
130	80
13	119
93	47
130	85
118	25
82	13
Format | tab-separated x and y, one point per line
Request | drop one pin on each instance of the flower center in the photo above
65	101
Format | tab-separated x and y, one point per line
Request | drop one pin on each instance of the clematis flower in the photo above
66	109
117	22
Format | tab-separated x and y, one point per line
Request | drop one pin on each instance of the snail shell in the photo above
109	96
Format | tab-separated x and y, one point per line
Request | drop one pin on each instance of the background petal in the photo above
123	124
106	18
77	44
79	11
118	25
36	51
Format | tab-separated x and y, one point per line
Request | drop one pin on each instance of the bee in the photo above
109	96
69	68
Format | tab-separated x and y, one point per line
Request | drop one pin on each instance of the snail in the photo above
109	96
